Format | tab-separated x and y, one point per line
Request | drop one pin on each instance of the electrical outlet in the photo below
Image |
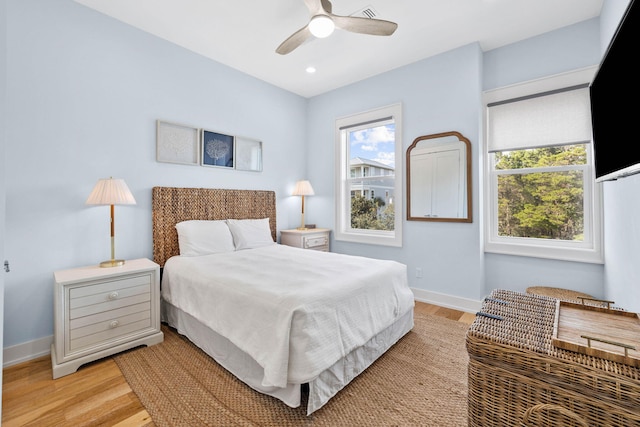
419	272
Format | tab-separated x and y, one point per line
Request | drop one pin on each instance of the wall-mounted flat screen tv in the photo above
615	96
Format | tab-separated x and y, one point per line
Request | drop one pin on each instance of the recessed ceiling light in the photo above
311	70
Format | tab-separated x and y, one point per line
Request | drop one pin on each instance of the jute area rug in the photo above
420	381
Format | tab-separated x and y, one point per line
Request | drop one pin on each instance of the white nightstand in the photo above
311	238
102	311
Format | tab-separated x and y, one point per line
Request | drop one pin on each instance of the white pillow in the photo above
199	237
250	233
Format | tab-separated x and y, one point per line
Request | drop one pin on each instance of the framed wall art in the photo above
177	143
248	155
217	149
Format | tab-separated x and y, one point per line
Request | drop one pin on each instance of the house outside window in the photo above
367	146
541	198
361	168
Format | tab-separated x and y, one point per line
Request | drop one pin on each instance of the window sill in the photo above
370	238
587	255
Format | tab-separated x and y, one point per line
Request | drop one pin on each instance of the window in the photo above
541	196
367	146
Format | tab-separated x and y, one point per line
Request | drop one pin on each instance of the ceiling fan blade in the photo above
354	24
294	40
326	6
318	6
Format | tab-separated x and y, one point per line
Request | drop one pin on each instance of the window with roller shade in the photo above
541	199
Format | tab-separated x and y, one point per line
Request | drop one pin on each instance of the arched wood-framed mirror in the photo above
439	178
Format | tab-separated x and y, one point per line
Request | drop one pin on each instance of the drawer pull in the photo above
113	295
114	324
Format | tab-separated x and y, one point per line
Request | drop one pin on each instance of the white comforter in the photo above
295	311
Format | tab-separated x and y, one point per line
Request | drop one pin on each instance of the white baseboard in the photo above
26	351
448	301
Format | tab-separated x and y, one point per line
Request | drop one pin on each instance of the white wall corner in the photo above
26	351
448	301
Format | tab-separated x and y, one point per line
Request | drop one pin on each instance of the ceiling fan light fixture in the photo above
321	26
323	22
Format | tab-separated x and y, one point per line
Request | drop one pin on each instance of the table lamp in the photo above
303	188
111	192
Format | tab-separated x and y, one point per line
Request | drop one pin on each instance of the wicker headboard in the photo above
170	205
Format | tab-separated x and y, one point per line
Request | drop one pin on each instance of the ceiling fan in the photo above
323	22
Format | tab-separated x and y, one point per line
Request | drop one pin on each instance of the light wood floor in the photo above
97	394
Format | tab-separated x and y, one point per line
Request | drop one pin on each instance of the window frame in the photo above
591	249
343	230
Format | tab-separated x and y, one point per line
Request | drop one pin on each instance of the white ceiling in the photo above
244	34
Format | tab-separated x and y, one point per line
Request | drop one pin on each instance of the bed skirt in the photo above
245	368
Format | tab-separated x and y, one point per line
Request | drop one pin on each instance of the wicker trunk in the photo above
518	378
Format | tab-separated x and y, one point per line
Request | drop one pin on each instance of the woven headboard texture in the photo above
171	205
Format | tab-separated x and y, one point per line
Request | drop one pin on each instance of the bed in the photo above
277	317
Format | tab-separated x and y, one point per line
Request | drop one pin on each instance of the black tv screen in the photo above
614	102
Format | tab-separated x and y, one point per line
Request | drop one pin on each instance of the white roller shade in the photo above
554	118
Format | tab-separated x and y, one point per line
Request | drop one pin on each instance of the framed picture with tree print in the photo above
217	149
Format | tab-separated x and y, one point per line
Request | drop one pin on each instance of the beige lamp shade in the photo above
303	188
111	192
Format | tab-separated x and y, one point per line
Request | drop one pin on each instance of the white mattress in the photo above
295	312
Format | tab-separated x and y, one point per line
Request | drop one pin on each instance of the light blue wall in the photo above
569	48
84	93
437	94
573	47
621	204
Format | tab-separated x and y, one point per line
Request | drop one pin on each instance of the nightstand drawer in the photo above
107	316
89	305
104	331
90	289
319	243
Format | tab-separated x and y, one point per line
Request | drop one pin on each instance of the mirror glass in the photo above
439	178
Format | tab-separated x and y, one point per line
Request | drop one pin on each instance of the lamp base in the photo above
301	228
112	263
